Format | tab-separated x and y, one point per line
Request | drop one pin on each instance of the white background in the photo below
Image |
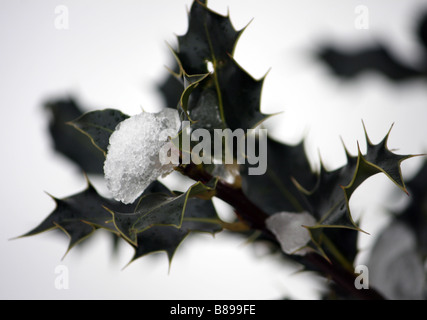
113	55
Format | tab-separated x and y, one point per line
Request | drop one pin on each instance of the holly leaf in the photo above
99	125
158	239
153	209
328	201
210	37
377	59
240	95
78	216
200	216
69	142
275	190
161	209
345	242
200	101
171	87
227	96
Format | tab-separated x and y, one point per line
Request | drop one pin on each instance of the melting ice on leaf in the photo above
289	229
133	161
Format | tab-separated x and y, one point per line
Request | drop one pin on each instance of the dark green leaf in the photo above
153	209
81	214
240	96
275	191
377	59
78	216
328	202
159	238
342	242
386	161
158	209
210	37
99	125
228	97
171	88
200	101
200	216
70	142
